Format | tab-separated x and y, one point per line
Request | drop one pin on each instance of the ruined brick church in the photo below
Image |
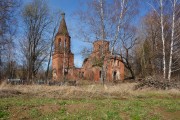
63	60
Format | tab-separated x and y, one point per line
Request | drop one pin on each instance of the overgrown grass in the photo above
105	109
91	102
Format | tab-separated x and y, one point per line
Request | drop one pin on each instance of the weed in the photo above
62	110
112	115
62	103
34	113
3	114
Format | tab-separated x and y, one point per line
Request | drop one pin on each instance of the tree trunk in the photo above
163	39
50	54
103	38
172	42
118	26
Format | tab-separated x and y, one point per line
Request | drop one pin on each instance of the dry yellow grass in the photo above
87	101
120	91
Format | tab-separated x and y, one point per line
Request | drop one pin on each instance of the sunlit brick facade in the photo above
63	60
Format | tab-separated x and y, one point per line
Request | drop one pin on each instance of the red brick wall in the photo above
62	45
88	70
113	64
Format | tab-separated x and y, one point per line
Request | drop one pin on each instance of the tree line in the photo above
28	56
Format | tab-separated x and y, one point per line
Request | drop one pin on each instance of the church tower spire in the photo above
63	28
62	42
63	58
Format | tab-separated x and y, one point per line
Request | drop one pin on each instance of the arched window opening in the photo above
64	46
100	74
82	74
60	43
65	71
54	72
79	75
114	75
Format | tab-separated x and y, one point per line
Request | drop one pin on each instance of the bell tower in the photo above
62	41
63	58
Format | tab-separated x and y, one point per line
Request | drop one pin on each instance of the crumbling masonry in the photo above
63	60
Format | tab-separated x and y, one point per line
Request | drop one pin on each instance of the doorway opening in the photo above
100	75
114	75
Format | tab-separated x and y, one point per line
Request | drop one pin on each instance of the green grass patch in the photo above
137	108
62	103
34	113
3	114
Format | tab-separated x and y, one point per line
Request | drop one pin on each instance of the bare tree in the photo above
150	48
106	20
128	40
95	18
8	26
121	16
34	46
168	8
174	35
160	13
55	22
124	38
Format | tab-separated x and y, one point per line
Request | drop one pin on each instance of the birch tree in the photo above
106	20
55	23
95	18
95	21
103	38
172	11
149	51
160	13
121	16
162	37
174	35
124	38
